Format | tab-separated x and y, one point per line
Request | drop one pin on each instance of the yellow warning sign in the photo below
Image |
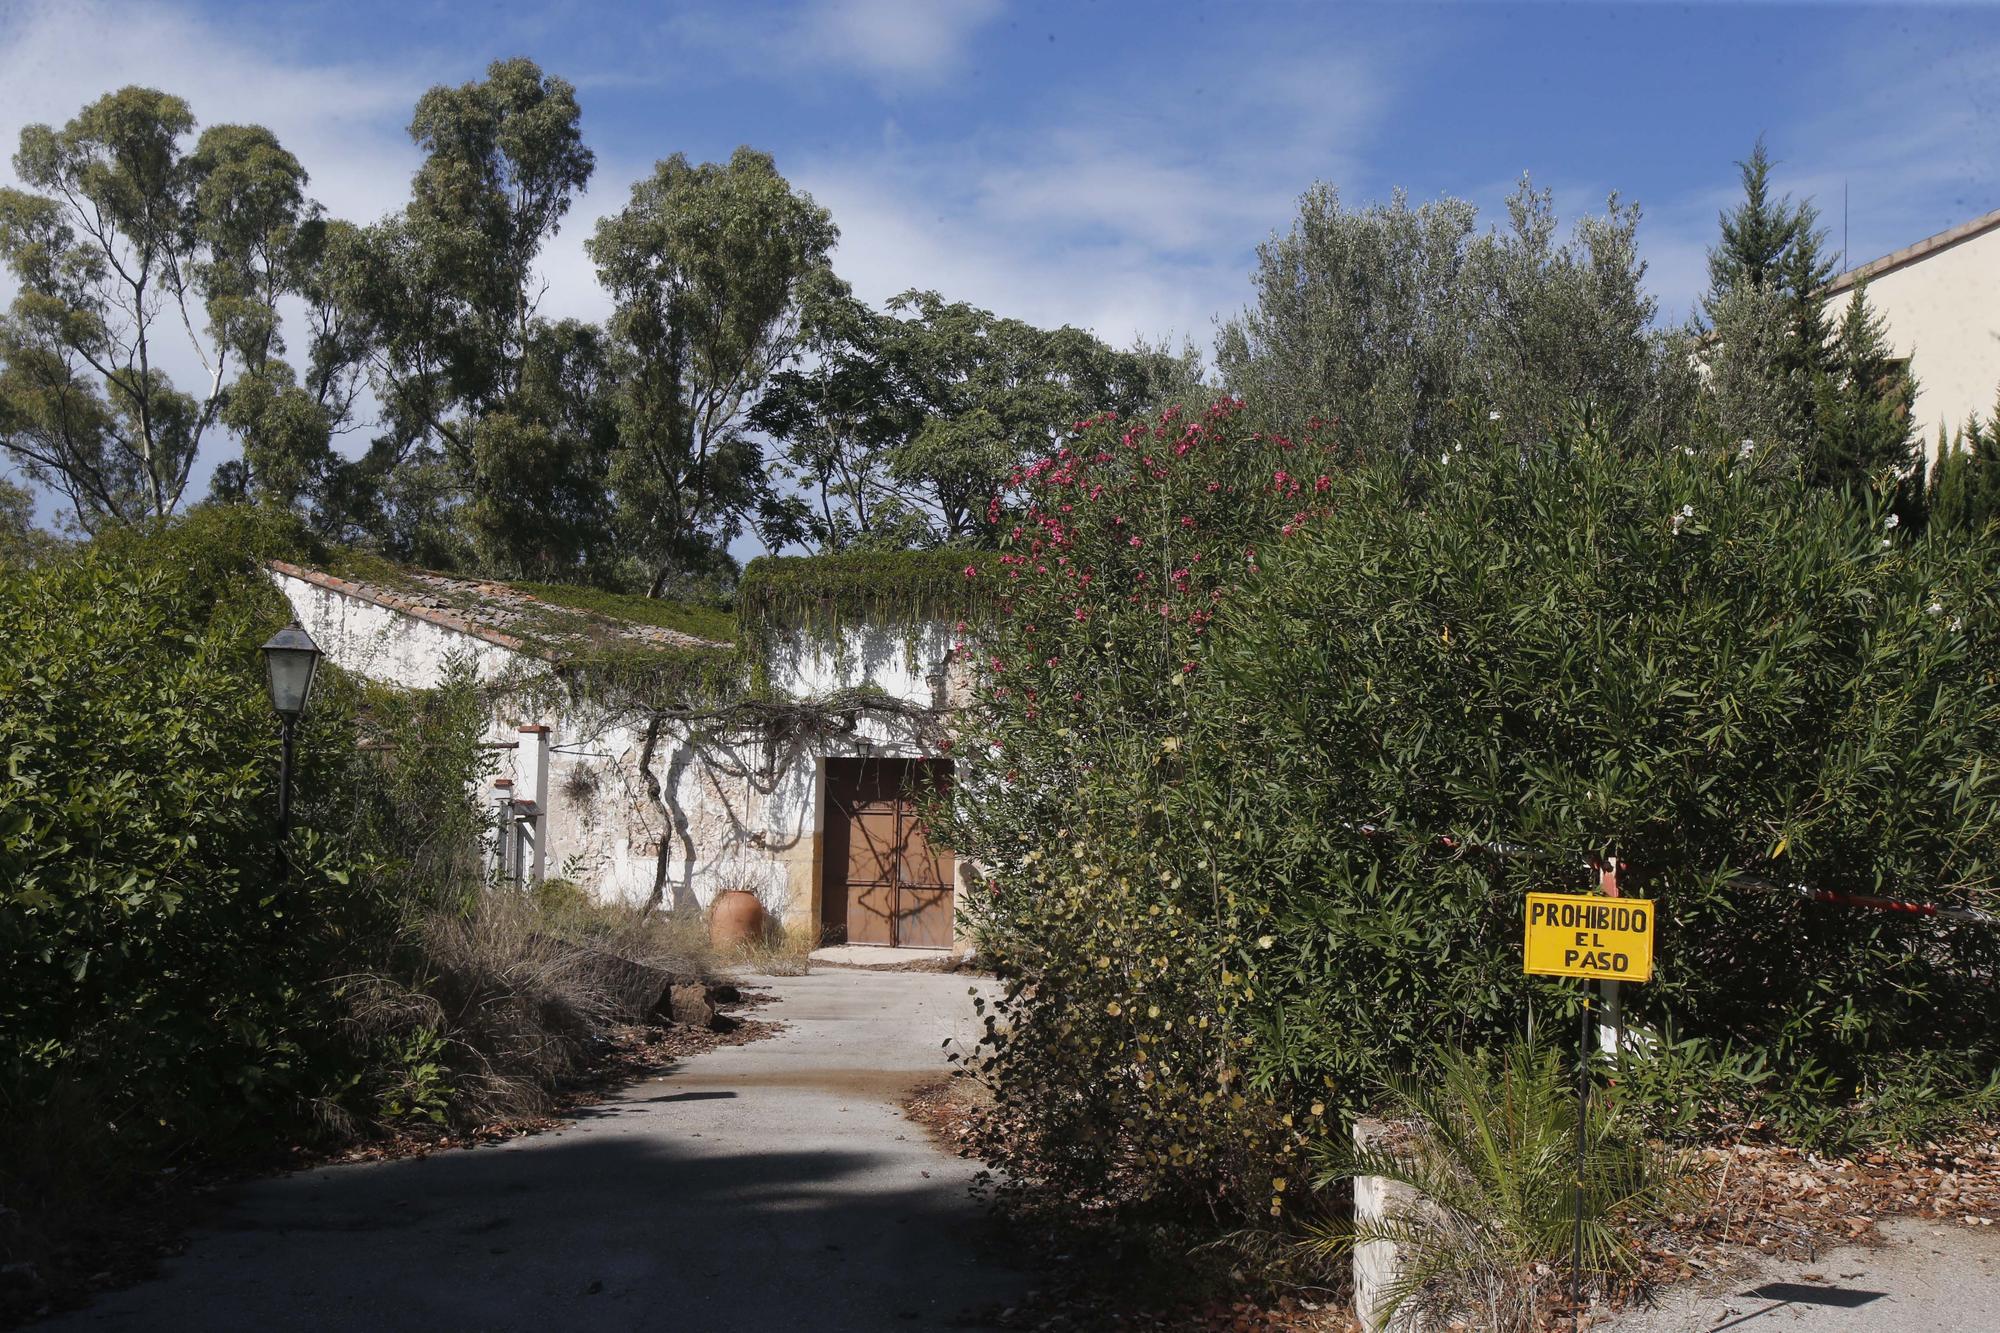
1580	935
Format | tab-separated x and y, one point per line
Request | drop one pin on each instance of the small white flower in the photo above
1957	624
1935	608
1492	416
1687	511
1885	543
1893	522
1688	449
1745	449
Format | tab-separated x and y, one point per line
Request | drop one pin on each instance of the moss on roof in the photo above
653	649
703	622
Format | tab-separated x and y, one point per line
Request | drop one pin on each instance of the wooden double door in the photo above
885	882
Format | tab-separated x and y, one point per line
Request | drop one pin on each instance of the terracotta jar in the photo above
735	917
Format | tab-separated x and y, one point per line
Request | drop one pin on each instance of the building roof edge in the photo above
1910	254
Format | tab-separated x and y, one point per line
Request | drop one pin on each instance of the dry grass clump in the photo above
491	1008
782	951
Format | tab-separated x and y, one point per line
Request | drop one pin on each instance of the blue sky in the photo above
1111	165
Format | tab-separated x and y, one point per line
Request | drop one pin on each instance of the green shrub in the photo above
1579	650
1485	1227
147	936
1255	708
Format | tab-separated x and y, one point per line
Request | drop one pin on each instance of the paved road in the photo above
1926	1278
768	1186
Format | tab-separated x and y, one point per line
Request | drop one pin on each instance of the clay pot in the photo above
735	917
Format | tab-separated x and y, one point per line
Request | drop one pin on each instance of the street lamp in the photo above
290	659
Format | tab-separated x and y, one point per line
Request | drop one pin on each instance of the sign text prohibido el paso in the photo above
1580	935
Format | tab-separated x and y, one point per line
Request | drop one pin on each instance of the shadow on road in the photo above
610	1229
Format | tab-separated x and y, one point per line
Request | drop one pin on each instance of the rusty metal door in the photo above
885	882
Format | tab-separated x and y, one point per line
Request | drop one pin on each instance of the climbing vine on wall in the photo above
824	594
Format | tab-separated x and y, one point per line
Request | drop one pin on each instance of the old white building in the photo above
1940	299
806	791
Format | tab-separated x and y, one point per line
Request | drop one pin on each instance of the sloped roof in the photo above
1910	254
510	616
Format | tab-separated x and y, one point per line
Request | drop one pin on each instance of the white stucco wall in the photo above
388	645
736	808
908	663
1943	312
743	810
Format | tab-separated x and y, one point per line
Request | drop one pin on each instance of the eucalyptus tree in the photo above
836	416
129	249
903	424
445	295
21	541
708	266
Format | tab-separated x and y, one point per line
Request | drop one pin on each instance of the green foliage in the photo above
119	235
1491	1171
1964	482
1682	1087
1252	707
1831	402
21	541
149	937
822	594
906	421
1862	404
700	621
1403	321
707	265
419	1082
408	798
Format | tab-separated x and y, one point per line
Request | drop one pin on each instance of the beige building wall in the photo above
1940	299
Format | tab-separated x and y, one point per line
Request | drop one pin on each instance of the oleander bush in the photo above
1274	735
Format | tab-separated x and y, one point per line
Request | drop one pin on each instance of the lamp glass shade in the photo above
290	659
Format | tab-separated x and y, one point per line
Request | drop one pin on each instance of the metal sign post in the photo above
1608	940
1576	1193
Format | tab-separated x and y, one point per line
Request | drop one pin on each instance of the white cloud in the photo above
916	40
893	238
1131	208
345	123
895	44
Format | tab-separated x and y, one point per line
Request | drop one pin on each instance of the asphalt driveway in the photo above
767	1186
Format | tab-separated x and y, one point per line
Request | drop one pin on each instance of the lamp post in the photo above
290	659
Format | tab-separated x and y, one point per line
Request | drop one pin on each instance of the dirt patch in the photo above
1759	1198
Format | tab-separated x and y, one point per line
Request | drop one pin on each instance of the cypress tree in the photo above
1755	234
1862	396
1965	479
1838	393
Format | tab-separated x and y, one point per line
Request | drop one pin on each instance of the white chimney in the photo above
531	801
531	768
